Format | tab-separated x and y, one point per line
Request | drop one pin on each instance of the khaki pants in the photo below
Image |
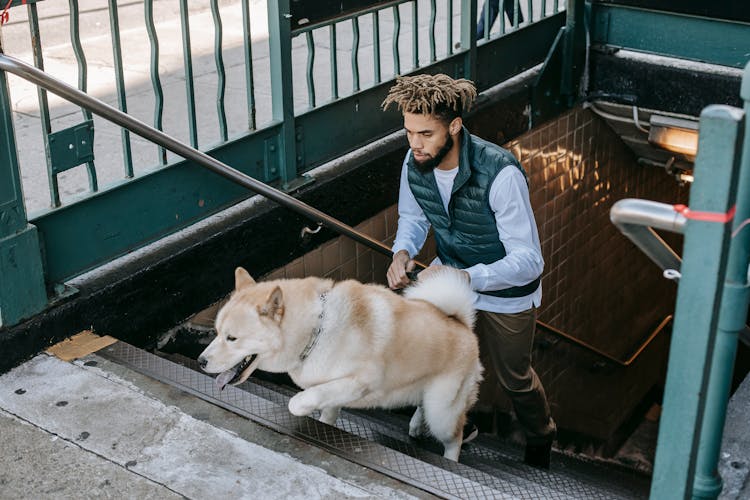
505	341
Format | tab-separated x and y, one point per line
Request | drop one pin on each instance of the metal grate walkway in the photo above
380	442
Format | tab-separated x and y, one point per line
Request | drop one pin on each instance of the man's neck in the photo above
451	159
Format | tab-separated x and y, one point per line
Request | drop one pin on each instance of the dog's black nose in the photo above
202	362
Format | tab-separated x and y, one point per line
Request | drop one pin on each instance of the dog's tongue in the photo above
223	378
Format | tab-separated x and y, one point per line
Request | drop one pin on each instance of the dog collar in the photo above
316	331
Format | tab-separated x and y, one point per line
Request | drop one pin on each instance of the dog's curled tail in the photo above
449	291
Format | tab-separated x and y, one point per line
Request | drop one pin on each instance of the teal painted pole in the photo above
704	263
732	319
282	97
22	291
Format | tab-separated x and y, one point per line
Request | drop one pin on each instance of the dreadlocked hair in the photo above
438	95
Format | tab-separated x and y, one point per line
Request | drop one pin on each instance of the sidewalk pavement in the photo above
94	429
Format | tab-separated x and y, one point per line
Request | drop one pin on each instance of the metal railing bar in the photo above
334	62
346	17
486	15
449	28
469	15
355	54
44	116
635	219
376	45
622	362
396	34
433	15
249	79
555	7
414	35
148	10
544	9
75	39
310	68
114	23
220	73
62	89
516	11
530	15
187	54
501	15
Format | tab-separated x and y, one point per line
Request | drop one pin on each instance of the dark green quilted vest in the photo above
467	234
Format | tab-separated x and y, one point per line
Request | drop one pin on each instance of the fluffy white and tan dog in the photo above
353	345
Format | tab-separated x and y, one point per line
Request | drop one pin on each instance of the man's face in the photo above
429	139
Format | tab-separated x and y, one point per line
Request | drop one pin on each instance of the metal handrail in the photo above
622	362
636	219
72	94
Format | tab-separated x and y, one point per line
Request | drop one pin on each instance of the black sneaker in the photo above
538	454
470	431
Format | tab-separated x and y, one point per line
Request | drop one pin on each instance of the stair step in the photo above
379	440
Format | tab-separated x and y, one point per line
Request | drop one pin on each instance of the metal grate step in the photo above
376	440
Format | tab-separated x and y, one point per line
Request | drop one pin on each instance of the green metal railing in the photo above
147	198
440	15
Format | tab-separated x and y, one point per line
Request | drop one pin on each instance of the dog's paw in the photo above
418	431
300	406
330	415
417	425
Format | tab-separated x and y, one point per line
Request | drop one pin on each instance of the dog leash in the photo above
316	332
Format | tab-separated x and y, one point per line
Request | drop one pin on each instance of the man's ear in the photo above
274	306
242	278
455	125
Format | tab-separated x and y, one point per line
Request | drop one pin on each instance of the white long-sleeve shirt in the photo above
509	200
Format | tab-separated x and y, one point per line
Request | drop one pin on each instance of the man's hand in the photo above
396	274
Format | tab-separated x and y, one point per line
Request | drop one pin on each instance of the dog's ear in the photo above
274	306
242	278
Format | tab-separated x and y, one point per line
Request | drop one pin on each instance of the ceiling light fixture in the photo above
674	134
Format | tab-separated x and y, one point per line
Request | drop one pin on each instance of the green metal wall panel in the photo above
679	35
22	287
22	294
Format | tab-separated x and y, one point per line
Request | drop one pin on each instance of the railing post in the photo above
574	50
469	39
557	86
282	96
732	319
705	253
22	291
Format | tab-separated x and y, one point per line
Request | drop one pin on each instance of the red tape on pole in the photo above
5	16
722	218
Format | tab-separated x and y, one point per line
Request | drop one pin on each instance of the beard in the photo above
429	164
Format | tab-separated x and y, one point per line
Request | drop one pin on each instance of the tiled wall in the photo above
597	286
342	258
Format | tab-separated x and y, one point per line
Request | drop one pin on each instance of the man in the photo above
475	196
509	6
